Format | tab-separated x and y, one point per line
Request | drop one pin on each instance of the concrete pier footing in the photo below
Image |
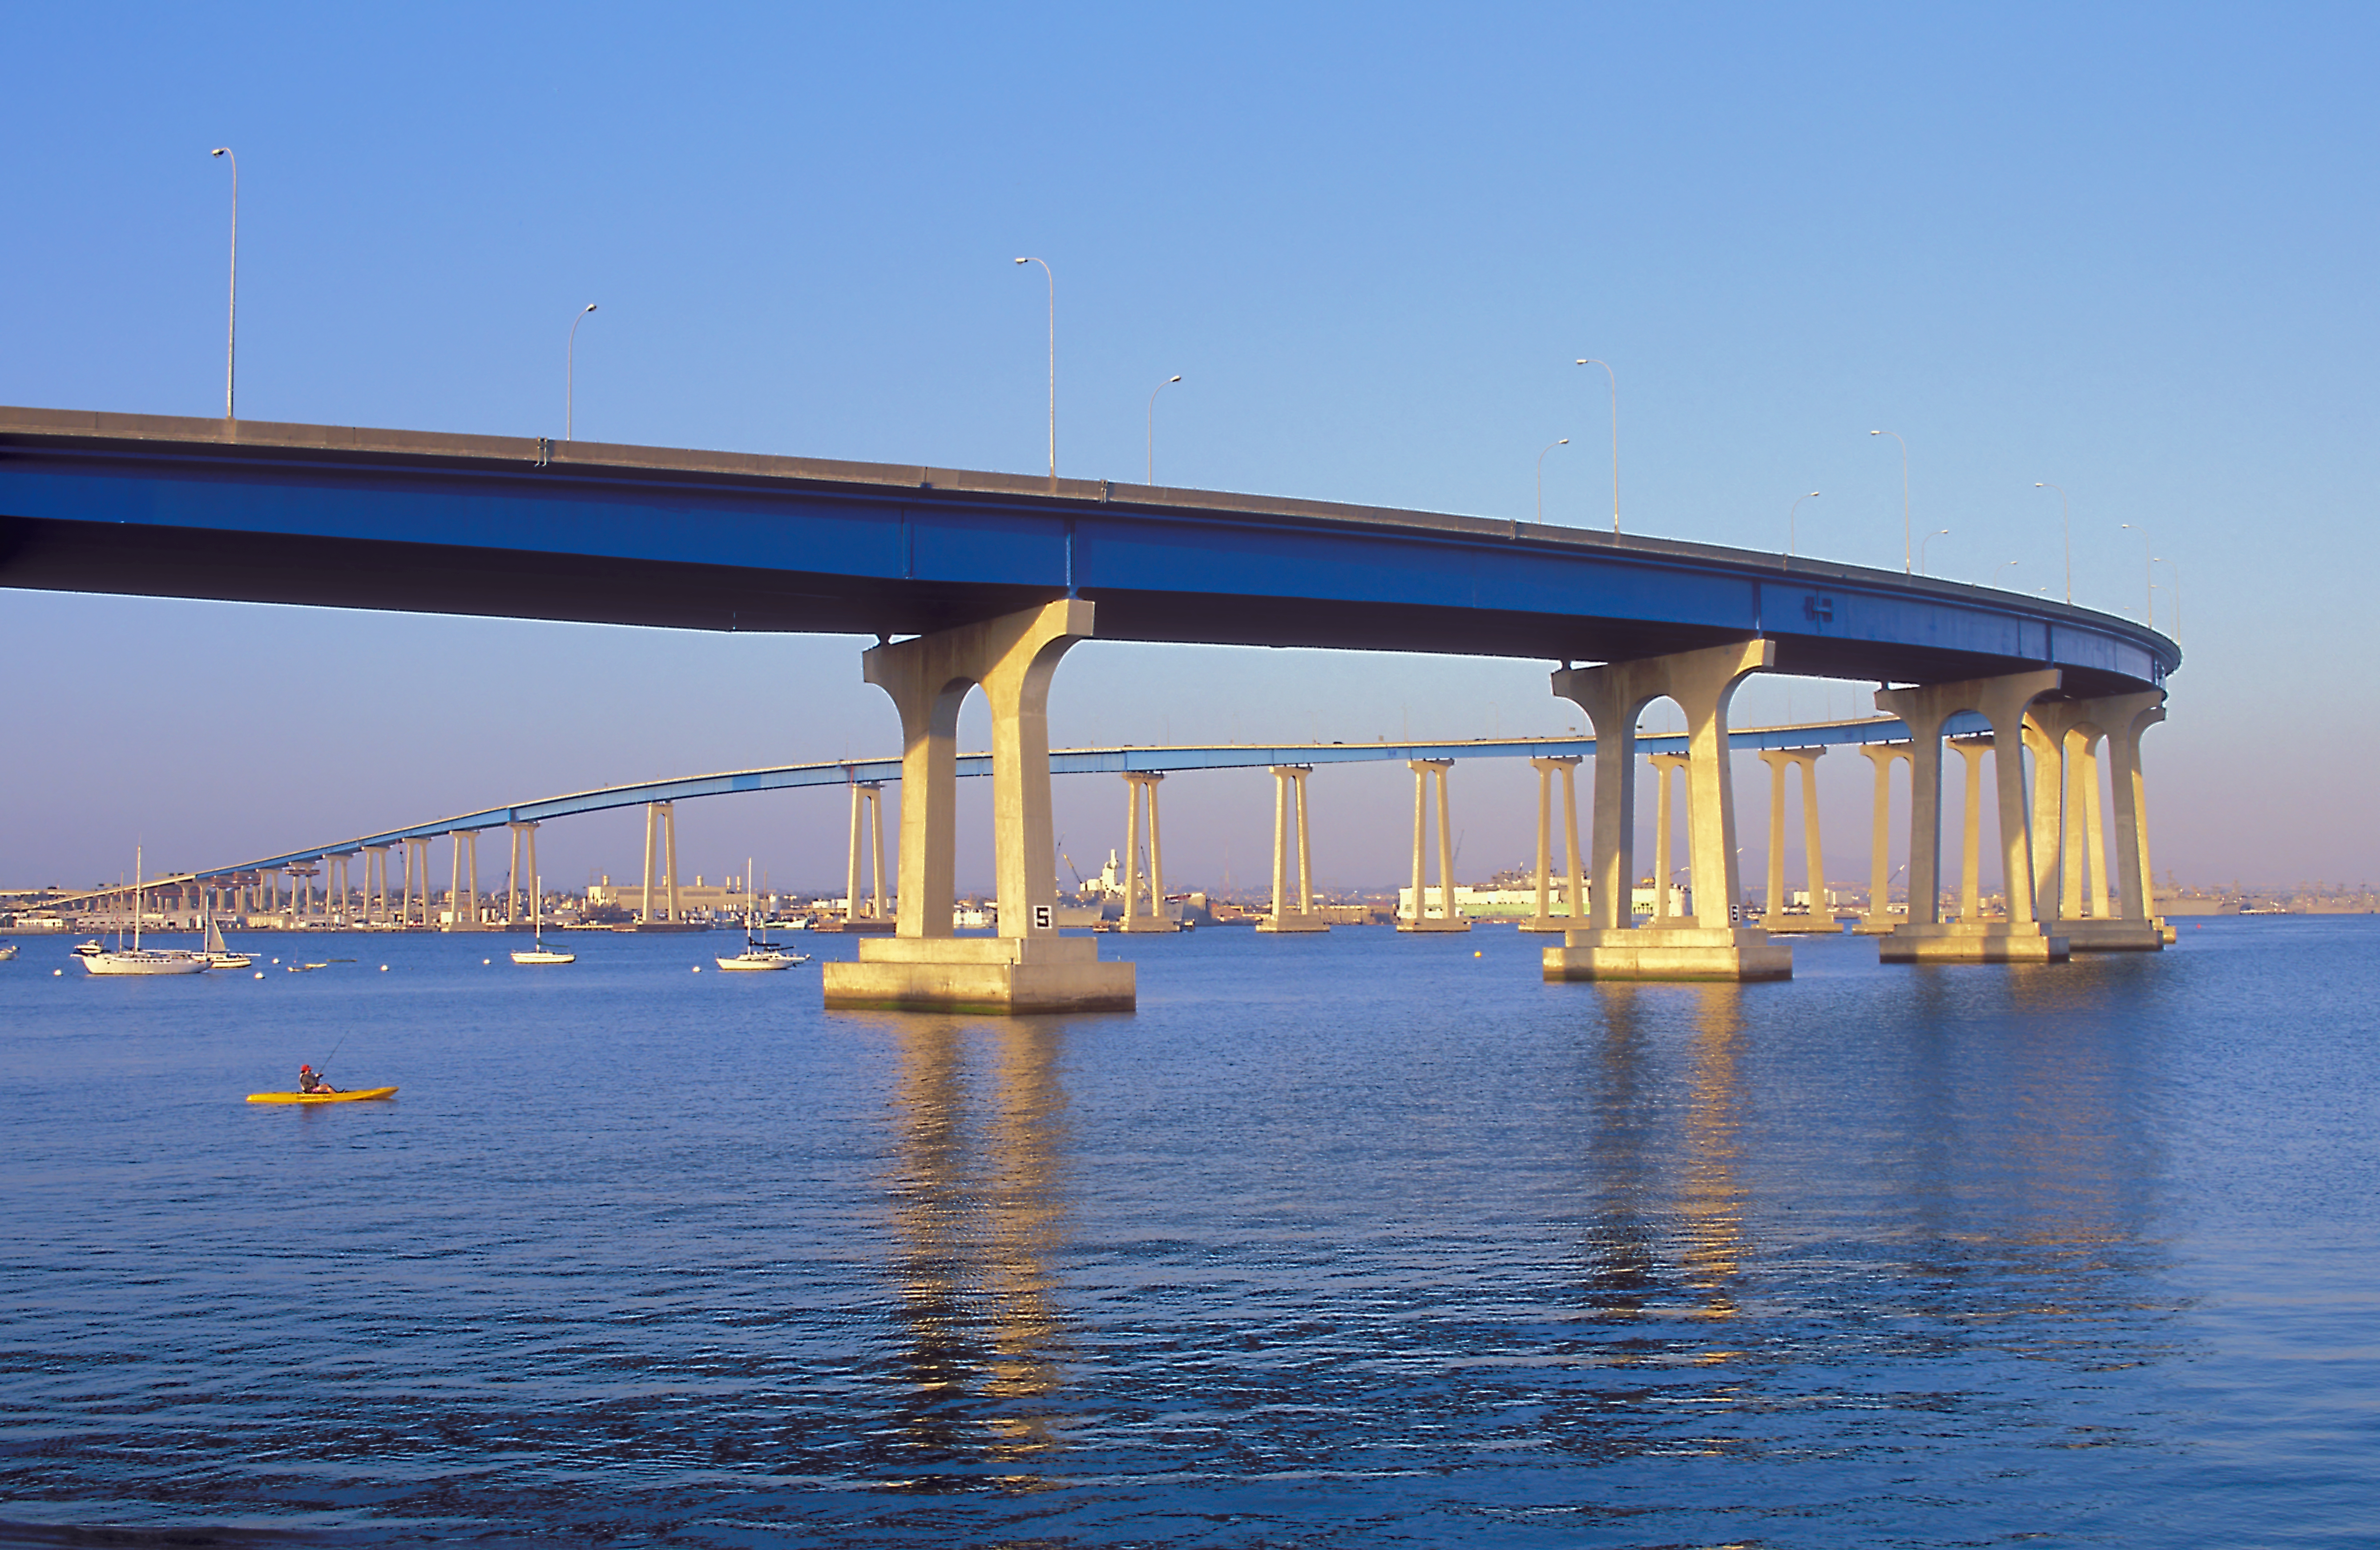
1028	967
1002	975
2114	936
1670	952
1976	941
1713	946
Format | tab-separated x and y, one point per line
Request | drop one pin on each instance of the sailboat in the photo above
218	956
538	953
758	951
138	960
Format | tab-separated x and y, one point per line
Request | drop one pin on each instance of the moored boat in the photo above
218	955
138	960
537	951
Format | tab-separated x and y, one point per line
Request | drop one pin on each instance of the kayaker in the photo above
311	1081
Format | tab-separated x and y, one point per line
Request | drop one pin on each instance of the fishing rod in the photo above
323	1070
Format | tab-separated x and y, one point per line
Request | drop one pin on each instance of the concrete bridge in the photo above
994	577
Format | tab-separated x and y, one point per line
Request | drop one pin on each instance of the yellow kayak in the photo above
358	1096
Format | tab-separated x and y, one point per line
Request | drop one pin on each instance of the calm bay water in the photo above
1350	1240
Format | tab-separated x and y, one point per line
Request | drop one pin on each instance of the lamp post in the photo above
1152	428
2148	569
1904	495
2177	594
231	325
2066	528
1053	371
570	370
1789	512
2002	581
1541	475
1936	533
1615	438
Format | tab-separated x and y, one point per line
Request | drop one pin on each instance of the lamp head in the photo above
1025	260
1812	496
220	151
590	307
1175	378
1875	433
1564	443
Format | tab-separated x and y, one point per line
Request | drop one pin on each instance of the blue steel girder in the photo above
507	526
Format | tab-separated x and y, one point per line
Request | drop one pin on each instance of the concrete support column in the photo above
1140	787
669	842
1925	935
1971	856
1448	918
1028	968
1713	947
2136	879
1288	807
2048	819
1574	895
2085	759
1664	871
512	877
2130	923
652	828
454	885
863	910
1820	918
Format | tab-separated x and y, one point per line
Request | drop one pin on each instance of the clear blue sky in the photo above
2128	250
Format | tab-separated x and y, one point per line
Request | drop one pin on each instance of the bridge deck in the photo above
528	529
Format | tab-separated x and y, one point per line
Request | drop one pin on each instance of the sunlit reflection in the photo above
978	1213
1620	1276
1711	1201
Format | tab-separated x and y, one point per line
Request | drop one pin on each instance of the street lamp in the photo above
2066	527
1936	533
1615	438
570	370
1152	427
1541	475
2002	581
230	327
1053	371
2177	594
1790	512
1904	495
2148	570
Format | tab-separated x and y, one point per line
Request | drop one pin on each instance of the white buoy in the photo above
56	973
383	968
697	968
486	960
260	974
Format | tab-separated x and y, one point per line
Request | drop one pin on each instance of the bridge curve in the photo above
581	531
1072	761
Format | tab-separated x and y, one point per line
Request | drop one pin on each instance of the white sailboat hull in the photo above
142	960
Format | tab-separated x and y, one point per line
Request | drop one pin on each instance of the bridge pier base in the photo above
1926	938
1288	796
1715	946
1773	918
1135	783
1448	918
2127	924
1028	967
1548	767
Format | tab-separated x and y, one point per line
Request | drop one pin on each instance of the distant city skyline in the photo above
2114	253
